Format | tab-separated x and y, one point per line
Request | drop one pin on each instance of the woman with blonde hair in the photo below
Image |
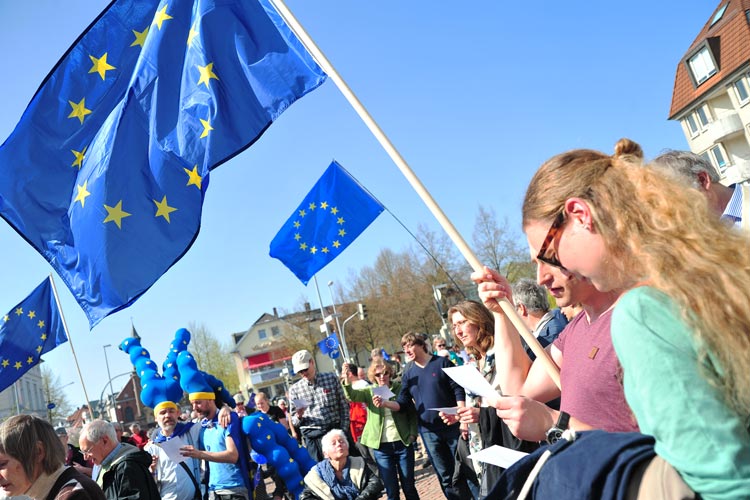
390	435
681	331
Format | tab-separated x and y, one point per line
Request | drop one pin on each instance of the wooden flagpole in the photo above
70	341
416	184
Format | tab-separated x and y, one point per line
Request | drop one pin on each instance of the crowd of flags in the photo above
106	171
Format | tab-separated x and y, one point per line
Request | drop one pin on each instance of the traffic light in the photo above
362	311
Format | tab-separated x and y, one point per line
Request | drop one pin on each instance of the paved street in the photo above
427	484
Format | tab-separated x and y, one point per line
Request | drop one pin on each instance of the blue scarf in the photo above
180	429
344	490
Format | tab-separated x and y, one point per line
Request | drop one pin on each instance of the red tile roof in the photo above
729	40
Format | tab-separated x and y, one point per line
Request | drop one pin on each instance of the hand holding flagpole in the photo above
458	240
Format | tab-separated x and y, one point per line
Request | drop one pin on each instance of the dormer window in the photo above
701	65
719	14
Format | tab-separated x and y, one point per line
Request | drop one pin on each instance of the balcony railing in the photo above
723	127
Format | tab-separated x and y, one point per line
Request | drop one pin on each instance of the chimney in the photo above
307	307
275	313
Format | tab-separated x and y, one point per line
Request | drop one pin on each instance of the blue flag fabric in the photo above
27	331
330	346
335	211
106	172
385	355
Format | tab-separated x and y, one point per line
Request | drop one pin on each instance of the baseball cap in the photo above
301	360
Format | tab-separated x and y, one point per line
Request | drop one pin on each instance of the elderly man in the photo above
320	403
123	472
532	305
731	203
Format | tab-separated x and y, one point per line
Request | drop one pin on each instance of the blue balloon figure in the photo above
270	439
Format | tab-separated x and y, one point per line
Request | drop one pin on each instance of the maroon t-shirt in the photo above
590	376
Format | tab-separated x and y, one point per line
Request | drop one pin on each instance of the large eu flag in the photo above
27	331
106	172
335	211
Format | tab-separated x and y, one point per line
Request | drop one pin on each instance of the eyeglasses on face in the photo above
88	452
380	374
458	324
546	252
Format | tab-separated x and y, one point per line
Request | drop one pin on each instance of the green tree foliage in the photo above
212	355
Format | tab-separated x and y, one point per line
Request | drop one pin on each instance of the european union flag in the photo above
330	346
30	329
106	172
335	211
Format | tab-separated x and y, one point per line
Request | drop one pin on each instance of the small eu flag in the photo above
27	331
330	346
106	171
335	211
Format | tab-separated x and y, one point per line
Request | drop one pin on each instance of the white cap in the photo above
301	360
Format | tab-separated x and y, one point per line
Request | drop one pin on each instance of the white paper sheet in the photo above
383	391
468	377
448	410
172	448
498	455
300	403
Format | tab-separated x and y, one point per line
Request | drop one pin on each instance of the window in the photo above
262	334
740	86
275	332
719	13
703	116
717	156
692	124
702	66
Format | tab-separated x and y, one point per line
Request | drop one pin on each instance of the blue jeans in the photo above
441	448
396	460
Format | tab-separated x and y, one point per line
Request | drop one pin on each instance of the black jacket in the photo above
127	476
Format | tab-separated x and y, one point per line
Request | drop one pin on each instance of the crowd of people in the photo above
649	270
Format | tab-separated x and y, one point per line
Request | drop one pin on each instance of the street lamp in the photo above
109	376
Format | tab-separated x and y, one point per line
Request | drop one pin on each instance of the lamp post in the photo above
109	376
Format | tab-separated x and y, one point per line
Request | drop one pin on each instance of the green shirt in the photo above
695	431
406	421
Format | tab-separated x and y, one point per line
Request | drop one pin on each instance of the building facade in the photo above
263	353
26	395
711	96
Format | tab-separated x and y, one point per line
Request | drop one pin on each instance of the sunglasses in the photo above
381	374
546	254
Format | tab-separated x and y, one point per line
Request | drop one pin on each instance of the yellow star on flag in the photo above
39	349
192	34
302	213
336	244
314	250
79	110
312	206
19	311
325	250
163	210
303	246
5	363
100	65
18	365
32	314
206	127
43	336
161	16
297	237
80	155
206	72
297	224
342	233
334	210
193	177
6	318
29	360
140	37
340	220
82	193
40	324
324	205
116	214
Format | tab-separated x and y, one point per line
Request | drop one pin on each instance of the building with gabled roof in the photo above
263	353
711	96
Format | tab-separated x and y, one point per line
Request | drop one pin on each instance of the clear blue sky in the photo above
475	95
